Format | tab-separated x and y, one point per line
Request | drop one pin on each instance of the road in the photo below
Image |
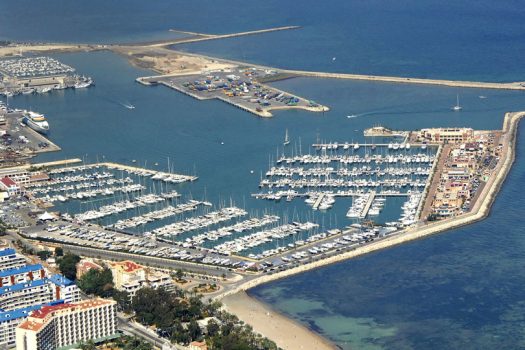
132	328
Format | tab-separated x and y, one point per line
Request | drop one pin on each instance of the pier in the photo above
56	163
371	197
318	201
133	169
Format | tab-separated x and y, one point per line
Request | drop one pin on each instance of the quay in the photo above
371	197
238	87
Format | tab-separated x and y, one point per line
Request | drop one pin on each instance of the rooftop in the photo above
127	266
8	182
36	320
20	270
61	280
7	251
22	286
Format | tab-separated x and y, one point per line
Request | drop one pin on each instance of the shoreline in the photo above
480	211
284	331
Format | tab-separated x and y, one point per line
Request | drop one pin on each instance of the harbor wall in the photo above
405	80
480	211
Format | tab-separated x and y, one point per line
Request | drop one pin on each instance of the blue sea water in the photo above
477	40
457	290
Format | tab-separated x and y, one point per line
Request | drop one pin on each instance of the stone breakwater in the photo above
480	211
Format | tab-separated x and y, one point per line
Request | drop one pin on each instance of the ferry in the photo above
36	122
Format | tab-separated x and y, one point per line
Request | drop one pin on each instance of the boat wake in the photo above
127	105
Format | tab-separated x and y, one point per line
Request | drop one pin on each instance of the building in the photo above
27	288
9	320
130	277
38	292
19	175
85	265
59	326
11	187
10	260
21	274
447	135
197	345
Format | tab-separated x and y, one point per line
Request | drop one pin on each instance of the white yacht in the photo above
457	107
36	122
286	139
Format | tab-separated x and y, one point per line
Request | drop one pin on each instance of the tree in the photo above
44	254
123	300
90	345
68	265
212	328
59	251
194	330
97	282
179	275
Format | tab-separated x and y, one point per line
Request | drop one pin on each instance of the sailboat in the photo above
286	139
457	107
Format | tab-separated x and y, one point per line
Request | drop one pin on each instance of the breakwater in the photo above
196	37
405	80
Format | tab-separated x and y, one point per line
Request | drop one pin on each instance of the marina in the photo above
30	75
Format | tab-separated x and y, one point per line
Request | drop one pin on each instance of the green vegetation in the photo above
124	342
97	282
59	251
44	254
132	343
100	283
3	228
175	316
68	265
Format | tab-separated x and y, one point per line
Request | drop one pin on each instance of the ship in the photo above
36	121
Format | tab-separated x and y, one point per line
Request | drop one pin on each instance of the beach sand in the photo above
287	334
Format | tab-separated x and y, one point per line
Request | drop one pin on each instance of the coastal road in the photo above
132	328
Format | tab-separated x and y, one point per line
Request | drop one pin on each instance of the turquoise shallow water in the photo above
457	290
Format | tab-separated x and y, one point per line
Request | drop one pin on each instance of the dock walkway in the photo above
371	197
318	201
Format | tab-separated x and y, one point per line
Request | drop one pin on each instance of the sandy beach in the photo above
288	334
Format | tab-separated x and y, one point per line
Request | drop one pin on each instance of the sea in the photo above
461	289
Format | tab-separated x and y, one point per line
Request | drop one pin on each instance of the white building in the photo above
54	327
130	277
9	320
24	289
21	274
12	188
38	292
10	260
